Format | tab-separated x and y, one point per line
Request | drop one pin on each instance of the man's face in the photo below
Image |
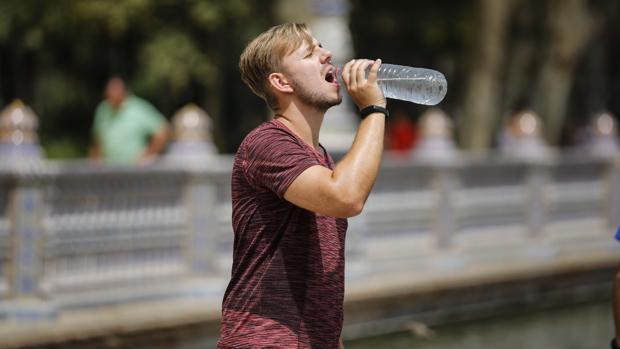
115	92
312	76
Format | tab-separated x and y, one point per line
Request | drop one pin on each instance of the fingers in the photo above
372	74
357	73
361	71
364	90
346	72
353	73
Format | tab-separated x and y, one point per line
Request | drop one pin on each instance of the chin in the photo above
334	102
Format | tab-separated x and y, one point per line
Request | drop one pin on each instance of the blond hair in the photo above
264	55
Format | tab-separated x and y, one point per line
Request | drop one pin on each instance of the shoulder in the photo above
103	110
136	102
102	106
143	108
133	102
133	99
268	135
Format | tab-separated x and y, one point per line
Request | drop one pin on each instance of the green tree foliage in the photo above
57	56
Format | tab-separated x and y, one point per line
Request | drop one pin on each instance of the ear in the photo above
280	83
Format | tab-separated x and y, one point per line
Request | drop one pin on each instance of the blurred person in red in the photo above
290	201
402	133
127	129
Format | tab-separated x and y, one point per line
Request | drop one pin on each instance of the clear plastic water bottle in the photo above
417	85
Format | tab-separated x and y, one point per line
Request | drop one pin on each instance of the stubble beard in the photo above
320	101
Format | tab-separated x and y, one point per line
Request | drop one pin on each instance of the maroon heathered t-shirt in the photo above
287	284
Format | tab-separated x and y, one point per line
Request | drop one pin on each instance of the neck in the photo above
304	121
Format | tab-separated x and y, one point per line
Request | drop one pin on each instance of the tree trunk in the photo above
482	92
522	58
570	28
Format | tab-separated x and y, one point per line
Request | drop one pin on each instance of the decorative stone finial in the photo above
192	134
18	124
521	137
437	143
602	135
191	123
18	132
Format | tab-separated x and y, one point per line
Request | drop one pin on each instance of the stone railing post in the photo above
356	241
27	235
612	179
537	180
20	151
25	209
438	150
201	201
446	183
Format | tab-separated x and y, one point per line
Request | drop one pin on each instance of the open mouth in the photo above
331	76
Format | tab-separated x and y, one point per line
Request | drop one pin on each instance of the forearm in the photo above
158	143
94	152
356	173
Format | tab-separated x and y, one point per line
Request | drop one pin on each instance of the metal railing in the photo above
483	207
103	228
76	234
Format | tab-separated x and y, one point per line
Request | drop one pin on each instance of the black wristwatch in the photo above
614	345
374	109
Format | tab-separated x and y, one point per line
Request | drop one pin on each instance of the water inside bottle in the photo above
416	85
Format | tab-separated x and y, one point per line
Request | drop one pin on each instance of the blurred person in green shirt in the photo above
127	129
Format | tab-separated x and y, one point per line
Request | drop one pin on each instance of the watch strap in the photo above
374	109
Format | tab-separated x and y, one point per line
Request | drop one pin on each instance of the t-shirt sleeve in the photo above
273	159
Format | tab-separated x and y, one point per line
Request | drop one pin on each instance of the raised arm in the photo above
94	152
343	191
158	141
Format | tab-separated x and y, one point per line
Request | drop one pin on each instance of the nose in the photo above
326	55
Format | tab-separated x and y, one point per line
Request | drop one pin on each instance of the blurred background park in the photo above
491	223
557	58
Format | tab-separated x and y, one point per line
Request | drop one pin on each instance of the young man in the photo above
290	201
